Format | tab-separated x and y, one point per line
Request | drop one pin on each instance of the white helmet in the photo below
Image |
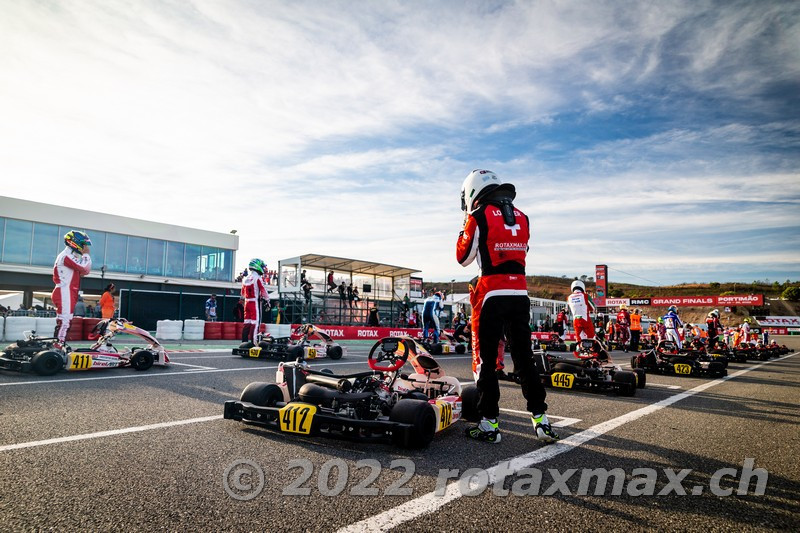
478	184
577	284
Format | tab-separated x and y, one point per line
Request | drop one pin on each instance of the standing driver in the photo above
496	234
71	265
253	291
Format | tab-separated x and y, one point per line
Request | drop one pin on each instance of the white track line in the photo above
194	368
562	421
108	433
429	502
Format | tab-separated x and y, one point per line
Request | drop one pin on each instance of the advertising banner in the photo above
616	302
640	301
601	284
779	321
703	301
365	333
415	288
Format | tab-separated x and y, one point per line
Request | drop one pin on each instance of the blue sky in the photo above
660	138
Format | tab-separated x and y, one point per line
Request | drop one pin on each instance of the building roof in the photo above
356	266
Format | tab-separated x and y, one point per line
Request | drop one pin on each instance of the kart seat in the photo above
317	395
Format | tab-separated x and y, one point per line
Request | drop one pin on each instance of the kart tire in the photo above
294	353
264	345
461	349
246	346
626	382
565	367
262	394
641	378
327	371
47	363
634	362
334	352
469	403
573	346
421	416
436	348
717	369
142	360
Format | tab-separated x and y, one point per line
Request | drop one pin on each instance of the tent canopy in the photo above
356	266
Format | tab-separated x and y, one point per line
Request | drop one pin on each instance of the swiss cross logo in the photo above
513	229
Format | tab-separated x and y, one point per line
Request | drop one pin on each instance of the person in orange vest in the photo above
107	301
636	328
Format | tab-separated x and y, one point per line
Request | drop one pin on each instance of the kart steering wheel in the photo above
390	354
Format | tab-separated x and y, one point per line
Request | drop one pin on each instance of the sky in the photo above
661	138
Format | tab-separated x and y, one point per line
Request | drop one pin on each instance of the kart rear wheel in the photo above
264	345
47	363
142	360
295	352
436	348
246	346
626	382
262	394
634	362
469	403
421	416
334	352
641	377
717	369
461	349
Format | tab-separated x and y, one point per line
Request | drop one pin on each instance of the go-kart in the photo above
591	370
696	350
447	344
780	349
666	358
311	344
377	405
552	344
42	355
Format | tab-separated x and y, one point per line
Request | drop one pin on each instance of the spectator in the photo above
211	309
373	319
303	279
331	283
306	286
356	299
90	310
238	310
80	307
342	292
560	325
350	295
107	301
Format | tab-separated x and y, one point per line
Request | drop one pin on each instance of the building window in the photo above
2	234
98	252
192	261
47	244
155	257
137	255
17	244
175	259
226	268
116	252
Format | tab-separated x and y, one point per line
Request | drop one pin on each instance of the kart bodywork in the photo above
376	405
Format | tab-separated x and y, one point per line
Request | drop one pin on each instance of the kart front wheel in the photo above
421	416
262	394
335	352
461	349
641	378
142	360
47	363
469	403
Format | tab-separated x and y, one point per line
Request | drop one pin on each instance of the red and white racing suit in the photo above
69	268
253	291
580	305
500	300
624	323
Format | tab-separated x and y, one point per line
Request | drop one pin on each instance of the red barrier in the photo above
545	335
75	331
239	329
88	326
229	331
213	331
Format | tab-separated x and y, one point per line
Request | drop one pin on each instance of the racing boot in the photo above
487	430
541	425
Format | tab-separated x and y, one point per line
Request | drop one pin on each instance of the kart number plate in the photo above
445	348
254	352
297	418
562	379
683	369
312	353
445	414
79	361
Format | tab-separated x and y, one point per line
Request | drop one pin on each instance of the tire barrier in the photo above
213	331
193	330
229	331
16	326
45	327
75	331
88	326
169	330
239	330
2	327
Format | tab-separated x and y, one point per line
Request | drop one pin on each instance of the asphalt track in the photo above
126	450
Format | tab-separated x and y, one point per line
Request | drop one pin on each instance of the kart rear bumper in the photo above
6	363
324	424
